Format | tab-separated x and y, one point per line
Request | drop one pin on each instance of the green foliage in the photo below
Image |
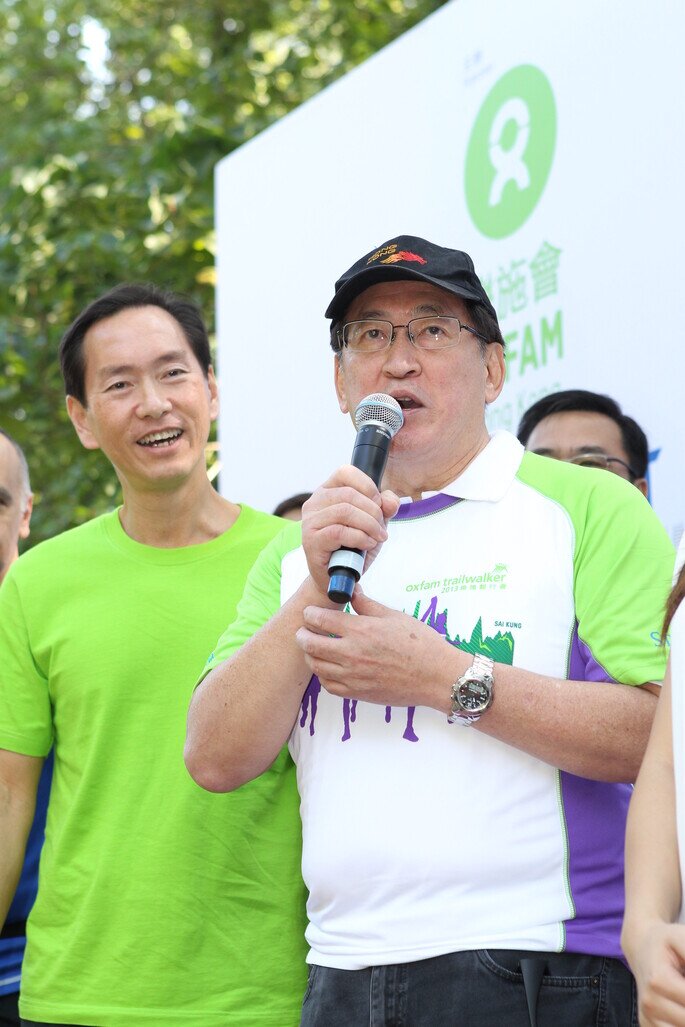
106	173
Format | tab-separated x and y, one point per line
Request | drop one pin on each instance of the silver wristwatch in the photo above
472	693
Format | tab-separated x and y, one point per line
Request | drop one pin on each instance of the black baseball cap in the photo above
408	257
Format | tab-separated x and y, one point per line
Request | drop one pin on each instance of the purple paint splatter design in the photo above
349	717
310	702
409	732
499	647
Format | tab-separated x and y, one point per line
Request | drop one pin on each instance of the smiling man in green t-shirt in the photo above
158	903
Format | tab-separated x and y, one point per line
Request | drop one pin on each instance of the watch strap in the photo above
481	669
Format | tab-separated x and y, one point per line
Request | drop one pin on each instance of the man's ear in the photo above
80	418
496	371
641	484
26	518
339	376
213	393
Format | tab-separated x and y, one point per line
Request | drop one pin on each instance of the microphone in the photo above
378	419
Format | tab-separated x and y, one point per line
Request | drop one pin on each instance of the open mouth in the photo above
407	403
160	439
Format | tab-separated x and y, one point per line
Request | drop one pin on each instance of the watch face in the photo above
474	696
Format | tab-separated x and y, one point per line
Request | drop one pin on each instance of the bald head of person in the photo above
16	501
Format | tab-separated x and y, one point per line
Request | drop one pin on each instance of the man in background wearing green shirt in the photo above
158	903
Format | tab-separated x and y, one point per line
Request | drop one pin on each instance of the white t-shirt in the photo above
422	837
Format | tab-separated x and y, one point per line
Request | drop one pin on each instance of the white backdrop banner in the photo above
544	139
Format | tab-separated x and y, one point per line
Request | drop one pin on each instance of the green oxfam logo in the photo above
510	151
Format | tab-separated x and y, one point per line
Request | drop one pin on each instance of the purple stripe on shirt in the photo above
596	823
583	666
595	814
424	507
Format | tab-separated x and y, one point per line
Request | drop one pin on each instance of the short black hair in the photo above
295	502
123	297
570	400
481	319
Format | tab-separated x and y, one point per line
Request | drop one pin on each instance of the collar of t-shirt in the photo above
489	475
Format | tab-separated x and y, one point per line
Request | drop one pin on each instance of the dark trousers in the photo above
35	1023
9	1010
484	988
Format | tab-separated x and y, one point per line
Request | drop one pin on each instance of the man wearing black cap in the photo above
456	876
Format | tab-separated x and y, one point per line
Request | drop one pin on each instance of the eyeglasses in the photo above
430	333
602	461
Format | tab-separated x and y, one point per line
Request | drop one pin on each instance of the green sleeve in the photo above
622	574
261	596
622	568
25	710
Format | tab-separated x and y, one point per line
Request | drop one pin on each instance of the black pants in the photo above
484	988
36	1023
9	1010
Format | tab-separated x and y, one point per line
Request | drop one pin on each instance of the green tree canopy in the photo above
114	117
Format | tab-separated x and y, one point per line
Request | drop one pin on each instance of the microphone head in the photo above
380	409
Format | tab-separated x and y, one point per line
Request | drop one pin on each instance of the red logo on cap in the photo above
403	255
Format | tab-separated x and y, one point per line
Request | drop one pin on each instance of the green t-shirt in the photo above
158	902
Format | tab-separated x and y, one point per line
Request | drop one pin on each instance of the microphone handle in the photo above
370	455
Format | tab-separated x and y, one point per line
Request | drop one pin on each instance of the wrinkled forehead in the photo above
405	299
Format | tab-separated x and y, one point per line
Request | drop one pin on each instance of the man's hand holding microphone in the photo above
381	655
